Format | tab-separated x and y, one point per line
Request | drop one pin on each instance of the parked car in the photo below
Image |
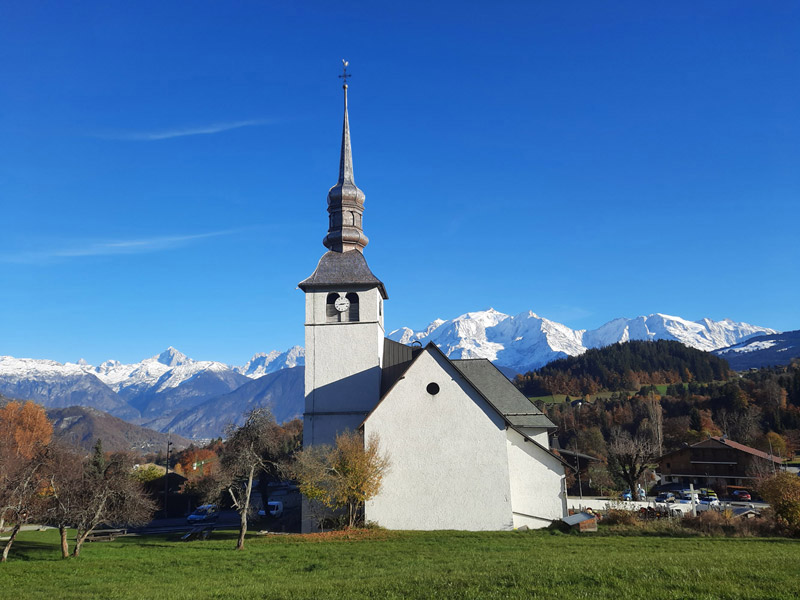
665	497
741	495
626	495
708	492
274	509
207	513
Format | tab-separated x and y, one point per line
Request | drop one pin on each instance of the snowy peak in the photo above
172	358
265	363
462	337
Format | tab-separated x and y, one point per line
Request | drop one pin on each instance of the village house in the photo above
716	463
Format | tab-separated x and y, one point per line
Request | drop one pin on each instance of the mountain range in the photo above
527	341
166	392
197	399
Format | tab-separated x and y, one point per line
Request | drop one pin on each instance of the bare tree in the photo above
248	450
746	425
65	473
599	478
20	483
656	421
108	494
629	457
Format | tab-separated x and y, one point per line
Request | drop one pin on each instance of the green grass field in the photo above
560	398
408	565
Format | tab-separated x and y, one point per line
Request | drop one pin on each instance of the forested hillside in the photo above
658	396
760	408
623	366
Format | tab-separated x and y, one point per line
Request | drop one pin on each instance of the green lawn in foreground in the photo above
408	565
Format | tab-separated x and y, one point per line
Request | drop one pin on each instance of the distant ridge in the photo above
82	426
772	350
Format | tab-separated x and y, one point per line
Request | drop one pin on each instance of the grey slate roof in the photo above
397	358
506	398
337	269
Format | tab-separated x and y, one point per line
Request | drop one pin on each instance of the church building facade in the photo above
467	450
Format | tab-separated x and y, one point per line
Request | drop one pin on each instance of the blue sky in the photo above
164	165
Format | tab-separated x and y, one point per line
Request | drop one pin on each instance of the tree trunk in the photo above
14	533
81	536
62	530
352	510
243	510
79	539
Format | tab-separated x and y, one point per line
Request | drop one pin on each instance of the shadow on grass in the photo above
34	550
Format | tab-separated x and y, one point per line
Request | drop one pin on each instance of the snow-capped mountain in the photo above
282	392
763	351
264	363
151	393
56	385
528	341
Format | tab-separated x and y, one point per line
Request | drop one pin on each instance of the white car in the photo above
208	513
682	505
274	509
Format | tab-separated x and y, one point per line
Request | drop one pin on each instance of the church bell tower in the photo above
344	316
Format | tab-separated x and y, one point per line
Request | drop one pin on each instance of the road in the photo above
228	519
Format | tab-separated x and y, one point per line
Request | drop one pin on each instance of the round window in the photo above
432	389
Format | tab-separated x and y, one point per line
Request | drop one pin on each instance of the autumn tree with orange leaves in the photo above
197	462
23	429
24	435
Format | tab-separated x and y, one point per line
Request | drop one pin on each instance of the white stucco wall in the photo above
539	434
343	366
449	463
537	494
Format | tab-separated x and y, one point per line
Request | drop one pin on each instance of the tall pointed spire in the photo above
345	200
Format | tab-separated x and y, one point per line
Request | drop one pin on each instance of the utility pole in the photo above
578	468
166	476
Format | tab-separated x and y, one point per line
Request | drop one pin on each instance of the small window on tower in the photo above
352	312
331	313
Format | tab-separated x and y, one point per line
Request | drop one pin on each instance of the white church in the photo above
467	450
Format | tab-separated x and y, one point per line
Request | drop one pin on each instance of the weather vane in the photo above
344	74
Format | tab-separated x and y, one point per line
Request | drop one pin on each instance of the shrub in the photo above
724	524
621	517
782	491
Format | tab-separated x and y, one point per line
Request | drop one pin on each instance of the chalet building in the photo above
717	463
467	450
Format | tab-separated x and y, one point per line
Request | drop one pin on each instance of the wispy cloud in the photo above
151	136
109	248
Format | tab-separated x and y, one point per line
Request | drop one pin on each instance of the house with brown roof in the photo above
718	463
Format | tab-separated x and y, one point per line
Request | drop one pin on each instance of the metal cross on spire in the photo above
345	74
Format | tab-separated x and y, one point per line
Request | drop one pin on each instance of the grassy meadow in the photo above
380	564
561	398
